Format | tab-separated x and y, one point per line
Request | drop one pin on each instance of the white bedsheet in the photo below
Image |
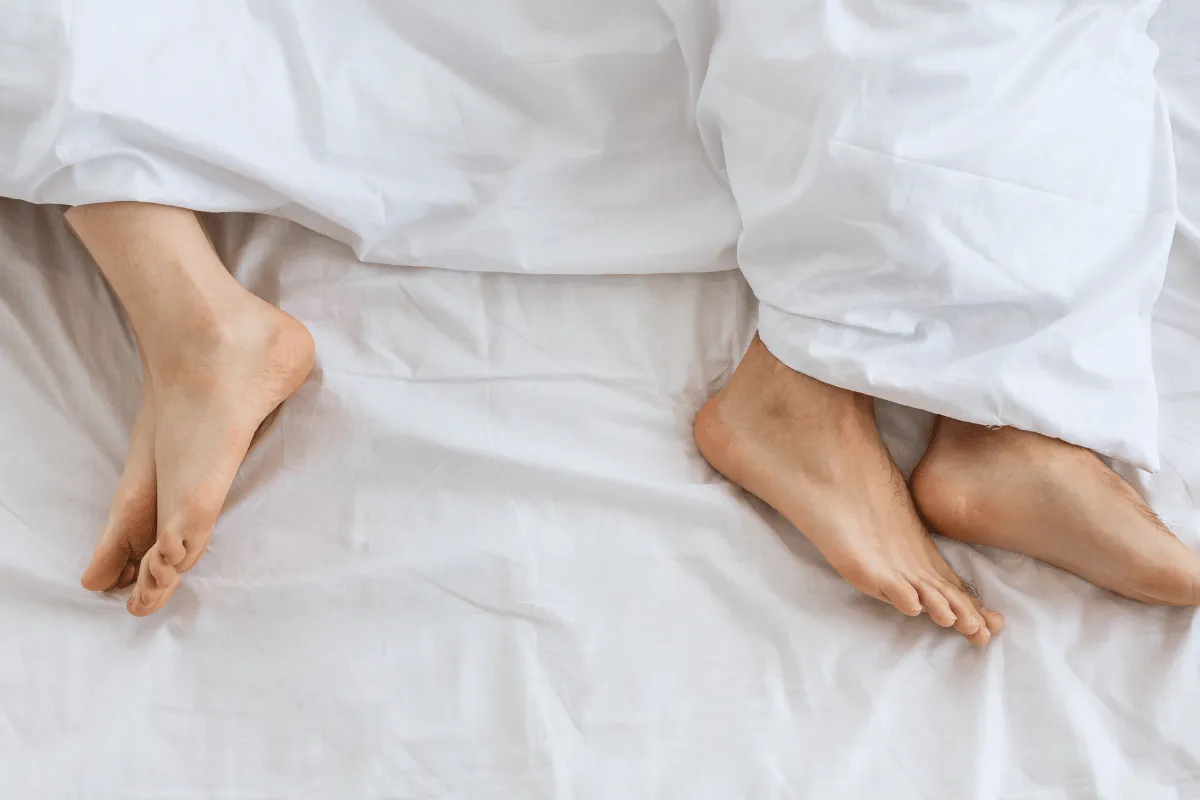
479	558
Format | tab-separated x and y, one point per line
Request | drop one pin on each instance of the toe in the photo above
156	581
108	563
127	575
167	593
981	636
964	600
901	594
1175	584
152	594
161	569
992	622
117	556
969	619
143	604
196	545
132	515
186	534
170	546
143	595
935	603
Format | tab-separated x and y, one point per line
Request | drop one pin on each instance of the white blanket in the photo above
479	557
965	209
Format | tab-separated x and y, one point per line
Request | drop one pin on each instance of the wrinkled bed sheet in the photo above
480	558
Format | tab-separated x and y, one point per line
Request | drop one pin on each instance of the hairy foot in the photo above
130	530
1056	502
210	396
812	452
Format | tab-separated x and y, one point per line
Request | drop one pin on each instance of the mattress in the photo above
479	557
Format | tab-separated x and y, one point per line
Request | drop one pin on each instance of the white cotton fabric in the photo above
479	556
962	207
519	136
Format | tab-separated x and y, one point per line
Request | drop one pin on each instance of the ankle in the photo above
781	392
955	434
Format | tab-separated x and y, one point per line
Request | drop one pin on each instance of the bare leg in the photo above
813	453
1056	502
218	361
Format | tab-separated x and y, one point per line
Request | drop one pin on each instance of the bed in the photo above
479	557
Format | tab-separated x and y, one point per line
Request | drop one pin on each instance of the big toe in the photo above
126	539
1174	584
132	516
108	563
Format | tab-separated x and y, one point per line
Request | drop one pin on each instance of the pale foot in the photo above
130	530
1056	502
812	452
210	396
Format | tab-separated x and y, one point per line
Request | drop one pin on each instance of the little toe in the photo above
969	620
992	620
901	594
938	608
952	582
981	636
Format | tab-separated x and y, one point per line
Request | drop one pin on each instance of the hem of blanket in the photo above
1142	455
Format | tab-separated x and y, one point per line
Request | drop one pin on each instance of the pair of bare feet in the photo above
813	452
216	362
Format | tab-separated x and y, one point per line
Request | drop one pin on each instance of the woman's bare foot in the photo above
217	361
130	530
1056	502
812	452
211	393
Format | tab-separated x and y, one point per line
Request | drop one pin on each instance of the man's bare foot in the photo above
812	452
130	530
212	390
1056	502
